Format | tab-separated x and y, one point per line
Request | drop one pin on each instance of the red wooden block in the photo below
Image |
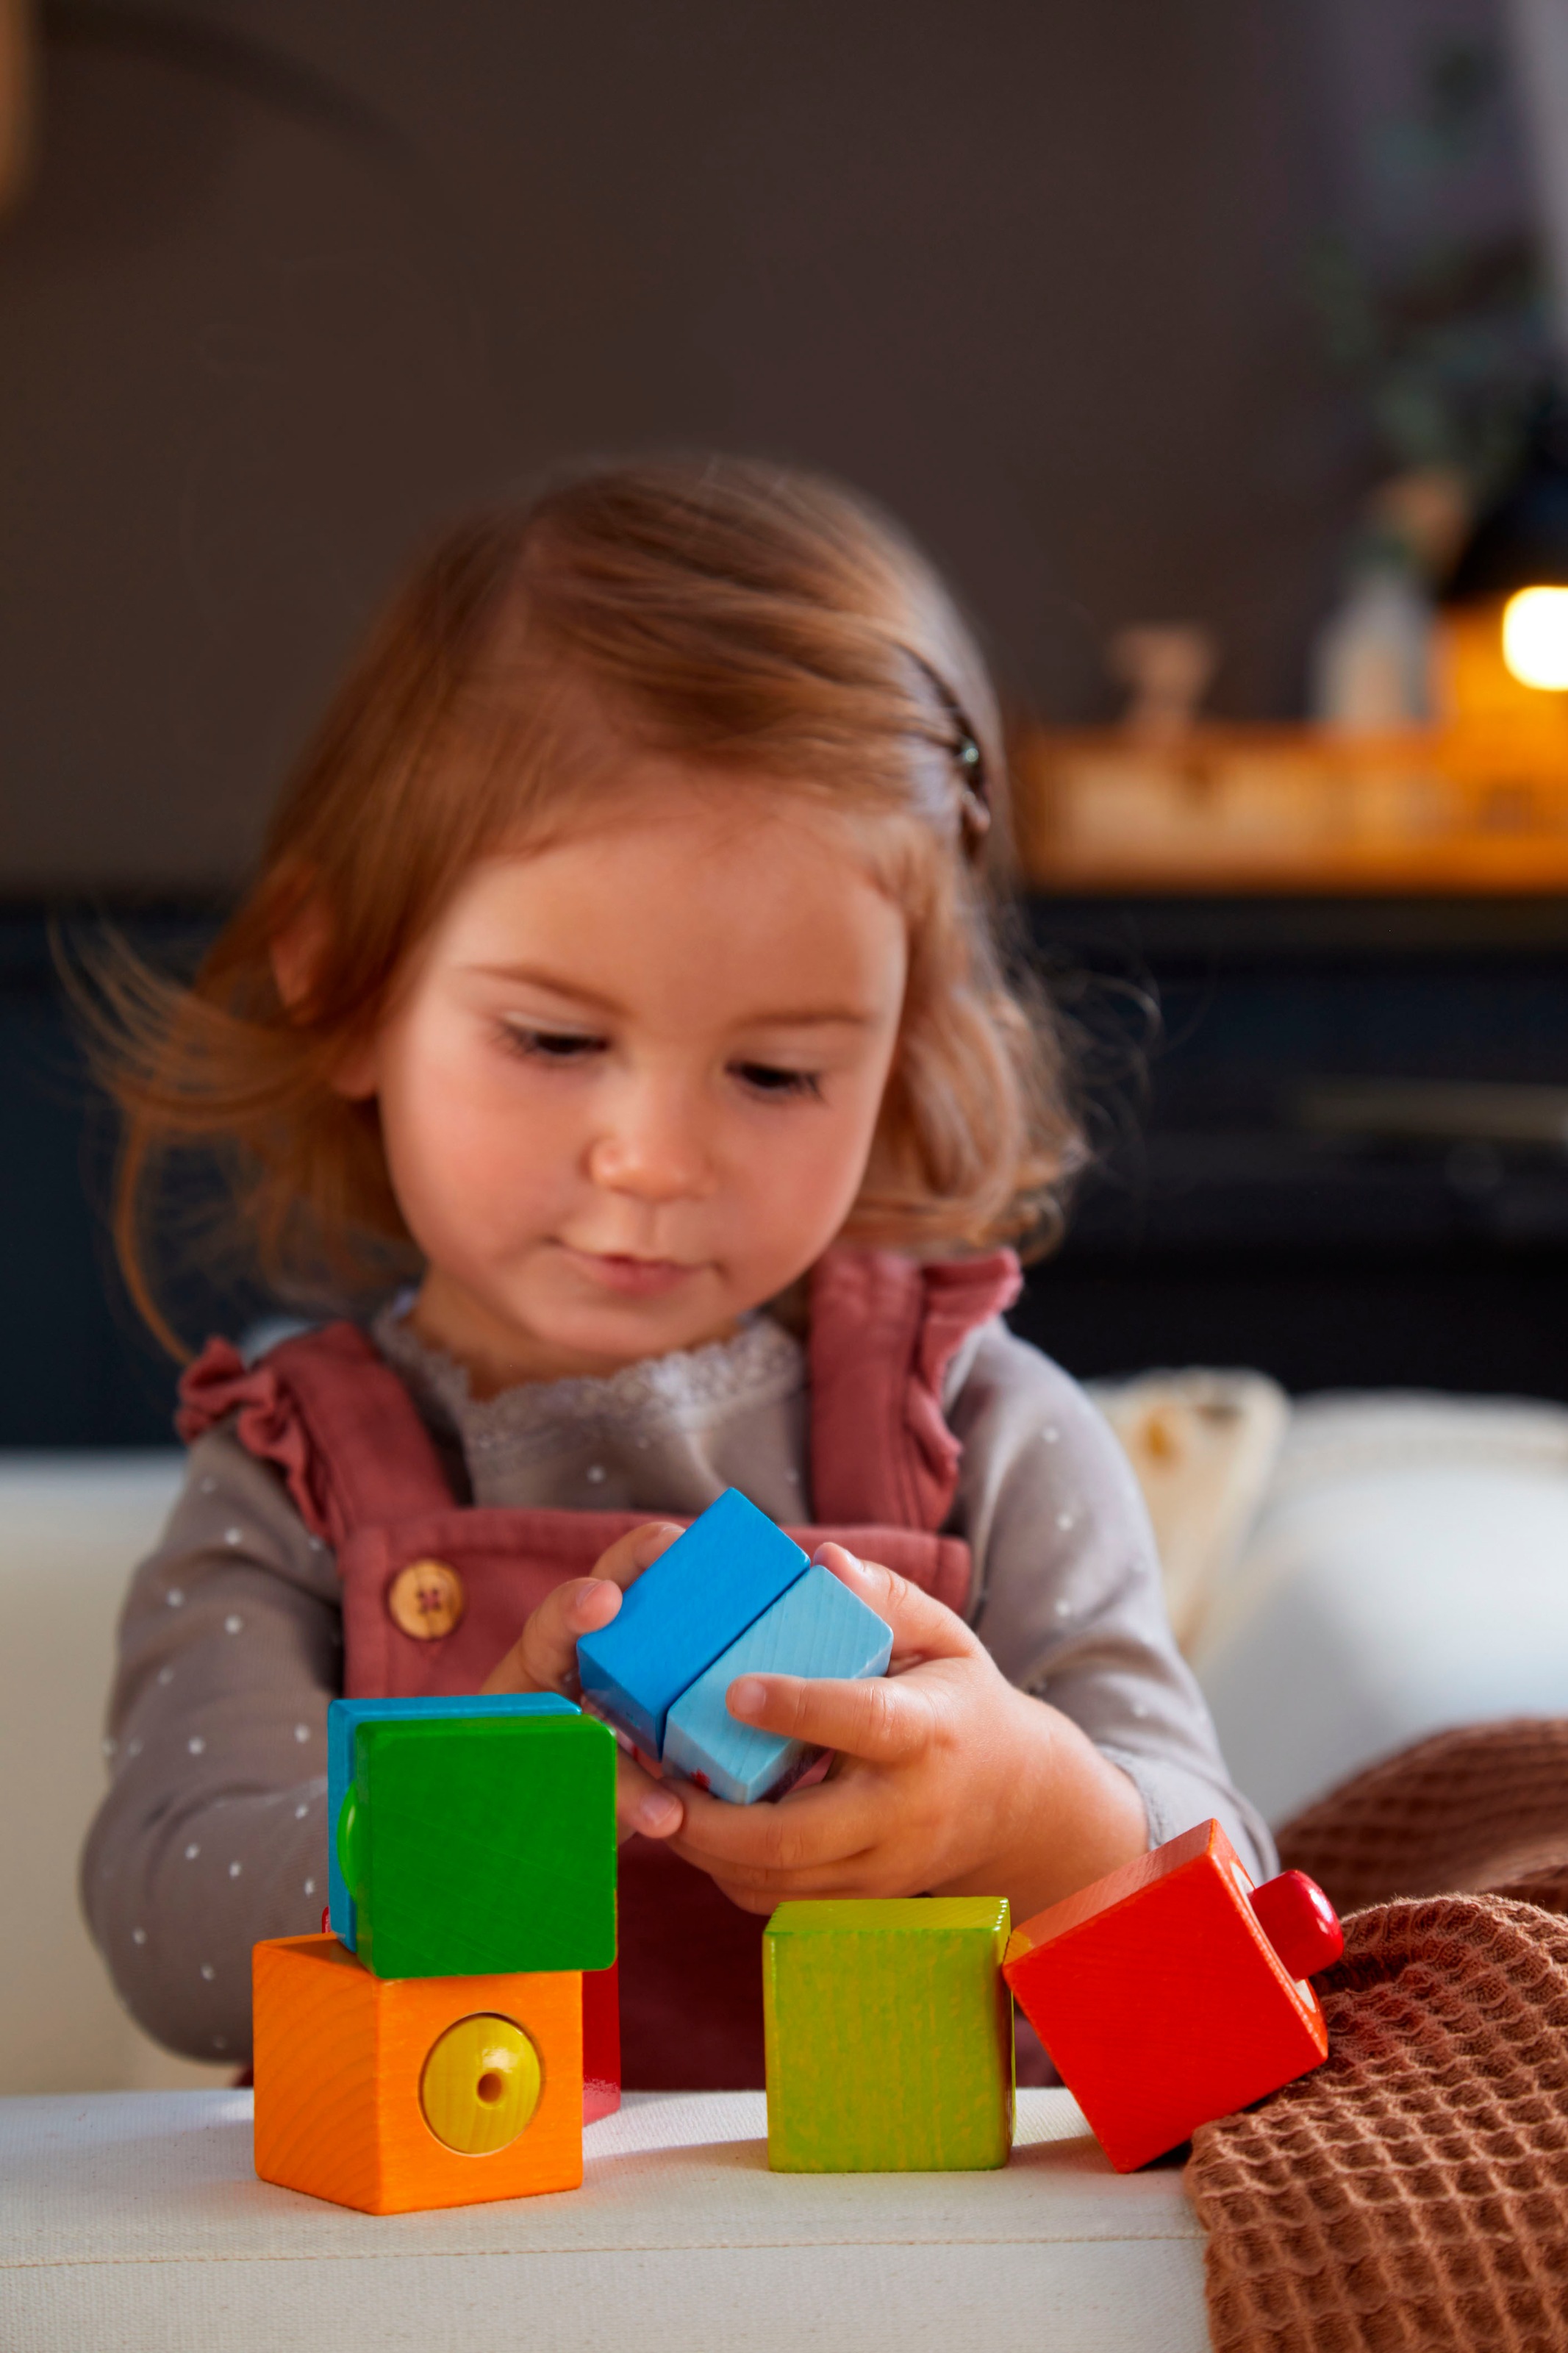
600	2043
1161	1999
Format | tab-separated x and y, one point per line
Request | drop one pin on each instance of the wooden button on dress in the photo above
426	1599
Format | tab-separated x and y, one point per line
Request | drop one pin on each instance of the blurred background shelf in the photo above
1297	810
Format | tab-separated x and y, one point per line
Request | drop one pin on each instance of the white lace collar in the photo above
689	1390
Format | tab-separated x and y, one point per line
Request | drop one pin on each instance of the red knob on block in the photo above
1300	1922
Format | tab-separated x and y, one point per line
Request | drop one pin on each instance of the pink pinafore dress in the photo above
435	1592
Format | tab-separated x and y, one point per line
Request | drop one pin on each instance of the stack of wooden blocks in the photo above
442	2018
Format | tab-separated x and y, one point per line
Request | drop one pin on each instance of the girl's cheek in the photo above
809	1189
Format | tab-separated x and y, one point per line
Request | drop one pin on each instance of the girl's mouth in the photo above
632	1278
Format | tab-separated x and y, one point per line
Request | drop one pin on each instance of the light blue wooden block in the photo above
344	1717
818	1628
676	1618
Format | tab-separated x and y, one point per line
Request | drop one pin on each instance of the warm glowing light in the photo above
1535	637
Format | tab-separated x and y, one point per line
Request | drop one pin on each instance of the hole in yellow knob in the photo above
480	2084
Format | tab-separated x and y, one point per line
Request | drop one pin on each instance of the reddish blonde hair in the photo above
738	615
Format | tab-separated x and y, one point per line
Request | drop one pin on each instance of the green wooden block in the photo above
889	2036
475	1846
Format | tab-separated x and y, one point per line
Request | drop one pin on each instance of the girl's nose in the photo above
652	1147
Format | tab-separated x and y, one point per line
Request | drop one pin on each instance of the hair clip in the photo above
974	804
974	800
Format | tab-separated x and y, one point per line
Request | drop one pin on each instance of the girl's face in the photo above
631	1087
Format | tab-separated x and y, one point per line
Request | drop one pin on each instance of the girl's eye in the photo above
767	1079
549	1045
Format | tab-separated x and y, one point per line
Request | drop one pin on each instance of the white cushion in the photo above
1203	1446
136	2221
1408	1572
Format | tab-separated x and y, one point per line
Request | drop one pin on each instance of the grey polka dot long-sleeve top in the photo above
214	1830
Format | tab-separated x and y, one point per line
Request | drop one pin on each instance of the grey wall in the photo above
298	277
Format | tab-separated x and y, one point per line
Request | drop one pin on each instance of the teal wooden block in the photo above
818	1628
483	1846
890	2035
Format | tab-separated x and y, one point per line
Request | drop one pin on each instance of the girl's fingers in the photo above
544	1656
765	1892
636	1550
813	1829
886	1720
921	1628
644	1804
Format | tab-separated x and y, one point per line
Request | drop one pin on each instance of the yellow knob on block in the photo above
480	2084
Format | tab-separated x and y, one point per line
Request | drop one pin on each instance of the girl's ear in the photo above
296	951
296	954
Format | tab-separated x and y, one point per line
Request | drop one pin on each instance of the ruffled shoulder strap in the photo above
345	1433
884	1330
335	1420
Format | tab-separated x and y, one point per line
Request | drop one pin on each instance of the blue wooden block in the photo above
819	1627
344	1717
678	1616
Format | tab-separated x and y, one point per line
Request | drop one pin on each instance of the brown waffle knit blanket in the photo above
1411	2193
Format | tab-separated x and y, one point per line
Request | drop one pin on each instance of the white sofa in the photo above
1353	1573
72	1528
1408	1570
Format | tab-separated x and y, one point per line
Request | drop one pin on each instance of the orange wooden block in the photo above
1161	1999
394	2095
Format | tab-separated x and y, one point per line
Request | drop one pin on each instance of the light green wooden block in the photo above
889	2036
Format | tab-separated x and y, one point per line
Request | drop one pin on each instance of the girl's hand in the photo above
544	1658
947	1780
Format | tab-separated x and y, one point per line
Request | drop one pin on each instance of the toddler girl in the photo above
619	1007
